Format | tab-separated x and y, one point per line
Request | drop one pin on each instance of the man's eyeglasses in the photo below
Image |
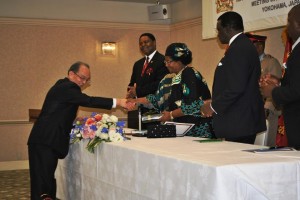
87	80
168	61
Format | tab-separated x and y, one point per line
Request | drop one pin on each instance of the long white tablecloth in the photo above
177	168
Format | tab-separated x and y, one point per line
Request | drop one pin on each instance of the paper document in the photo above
181	128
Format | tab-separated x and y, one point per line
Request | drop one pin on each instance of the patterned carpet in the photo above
14	185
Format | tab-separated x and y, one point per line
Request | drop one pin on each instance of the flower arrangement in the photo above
97	128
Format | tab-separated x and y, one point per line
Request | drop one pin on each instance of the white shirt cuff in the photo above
114	103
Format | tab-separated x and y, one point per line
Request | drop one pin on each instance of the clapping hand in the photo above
269	79
267	83
205	109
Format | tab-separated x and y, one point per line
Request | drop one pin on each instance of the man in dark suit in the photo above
49	137
236	105
287	94
146	75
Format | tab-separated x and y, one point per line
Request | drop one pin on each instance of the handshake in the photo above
128	104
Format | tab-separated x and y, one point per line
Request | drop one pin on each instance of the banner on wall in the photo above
257	14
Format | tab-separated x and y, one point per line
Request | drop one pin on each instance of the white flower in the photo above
104	118
115	137
113	119
113	126
102	126
76	130
103	136
98	132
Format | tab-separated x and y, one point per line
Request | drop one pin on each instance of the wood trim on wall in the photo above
94	24
14	122
83	24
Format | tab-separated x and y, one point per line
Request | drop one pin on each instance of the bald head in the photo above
293	25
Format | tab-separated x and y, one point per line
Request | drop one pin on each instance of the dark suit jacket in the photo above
155	71
288	96
236	97
59	110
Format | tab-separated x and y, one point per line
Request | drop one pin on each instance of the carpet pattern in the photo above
15	184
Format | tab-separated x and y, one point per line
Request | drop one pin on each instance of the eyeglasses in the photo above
168	61
87	80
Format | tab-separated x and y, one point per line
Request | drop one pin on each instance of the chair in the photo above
261	138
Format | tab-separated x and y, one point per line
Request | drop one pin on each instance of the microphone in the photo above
140	132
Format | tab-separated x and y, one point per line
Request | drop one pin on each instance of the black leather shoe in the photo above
46	197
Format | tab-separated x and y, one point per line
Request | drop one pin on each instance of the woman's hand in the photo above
166	116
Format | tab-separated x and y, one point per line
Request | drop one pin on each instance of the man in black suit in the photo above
287	94
146	75
49	137
236	105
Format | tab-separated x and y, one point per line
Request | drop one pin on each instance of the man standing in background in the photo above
286	92
269	65
236	104
146	75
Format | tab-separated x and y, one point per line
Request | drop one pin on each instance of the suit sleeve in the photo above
74	95
133	75
289	91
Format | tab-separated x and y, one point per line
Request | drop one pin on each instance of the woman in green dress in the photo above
181	92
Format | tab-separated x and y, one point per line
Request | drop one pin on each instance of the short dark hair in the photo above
75	67
232	20
296	10
149	35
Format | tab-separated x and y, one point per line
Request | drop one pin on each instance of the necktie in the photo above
145	65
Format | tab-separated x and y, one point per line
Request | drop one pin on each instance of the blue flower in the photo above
96	129
121	123
93	127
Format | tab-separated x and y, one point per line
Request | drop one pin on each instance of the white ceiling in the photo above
147	1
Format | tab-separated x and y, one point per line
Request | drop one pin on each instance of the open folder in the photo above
270	149
181	128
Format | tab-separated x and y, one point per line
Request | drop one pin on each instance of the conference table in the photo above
177	168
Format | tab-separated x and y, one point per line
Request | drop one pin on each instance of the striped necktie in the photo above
145	65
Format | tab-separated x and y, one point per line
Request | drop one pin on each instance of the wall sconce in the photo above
109	48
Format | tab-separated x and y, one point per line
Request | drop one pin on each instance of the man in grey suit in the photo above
236	105
269	65
49	137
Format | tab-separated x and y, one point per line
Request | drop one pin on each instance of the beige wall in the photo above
35	53
207	53
98	10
